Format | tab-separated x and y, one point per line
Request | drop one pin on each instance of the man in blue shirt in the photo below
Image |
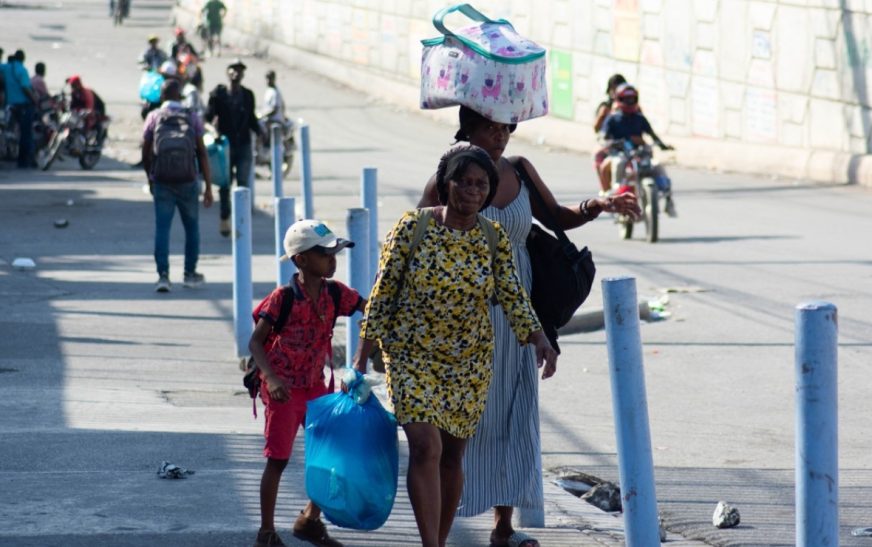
628	123
20	96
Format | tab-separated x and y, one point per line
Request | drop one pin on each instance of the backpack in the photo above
251	378
174	147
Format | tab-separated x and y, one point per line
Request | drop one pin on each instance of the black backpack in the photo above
251	379
174	147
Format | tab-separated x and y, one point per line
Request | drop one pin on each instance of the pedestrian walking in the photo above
234	109
171	150
213	12
429	311
291	362
502	464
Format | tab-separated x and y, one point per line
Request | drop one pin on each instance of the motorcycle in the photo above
263	153
75	138
9	135
639	175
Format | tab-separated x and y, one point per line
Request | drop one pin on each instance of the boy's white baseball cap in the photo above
306	234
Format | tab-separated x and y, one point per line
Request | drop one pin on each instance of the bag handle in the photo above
531	186
465	9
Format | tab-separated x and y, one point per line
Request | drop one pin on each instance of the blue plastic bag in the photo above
217	150
149	86
352	459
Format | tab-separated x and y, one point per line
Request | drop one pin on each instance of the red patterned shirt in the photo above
300	351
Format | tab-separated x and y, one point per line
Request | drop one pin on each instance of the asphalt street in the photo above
101	379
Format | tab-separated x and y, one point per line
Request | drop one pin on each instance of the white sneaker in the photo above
163	284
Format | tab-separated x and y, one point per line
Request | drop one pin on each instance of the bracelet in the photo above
586	212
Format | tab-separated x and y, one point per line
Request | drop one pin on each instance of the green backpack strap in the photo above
426	213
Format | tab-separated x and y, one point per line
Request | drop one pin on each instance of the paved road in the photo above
100	380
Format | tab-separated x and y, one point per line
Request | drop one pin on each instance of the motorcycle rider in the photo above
181	43
83	99
153	57
628	123
274	107
603	110
39	87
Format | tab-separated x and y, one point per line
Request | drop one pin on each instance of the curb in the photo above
594	320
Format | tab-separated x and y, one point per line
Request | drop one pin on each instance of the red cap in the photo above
179	31
75	79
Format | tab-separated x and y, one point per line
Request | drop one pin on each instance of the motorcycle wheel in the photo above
88	160
47	155
288	160
650	209
626	224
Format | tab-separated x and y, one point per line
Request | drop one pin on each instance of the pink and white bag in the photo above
486	66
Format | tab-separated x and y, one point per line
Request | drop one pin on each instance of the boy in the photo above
291	363
628	123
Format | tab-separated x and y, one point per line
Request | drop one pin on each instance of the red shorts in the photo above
283	420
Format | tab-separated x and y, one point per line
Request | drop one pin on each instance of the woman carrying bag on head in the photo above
512	404
438	271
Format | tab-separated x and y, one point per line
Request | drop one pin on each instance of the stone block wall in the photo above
772	86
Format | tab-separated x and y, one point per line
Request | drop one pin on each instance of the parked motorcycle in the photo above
74	138
263	154
639	176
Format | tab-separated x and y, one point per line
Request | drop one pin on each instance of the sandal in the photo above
517	539
268	538
314	531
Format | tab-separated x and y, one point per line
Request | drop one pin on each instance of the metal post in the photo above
817	438
306	173
369	195
358	272
630	409
277	159
242	289
284	217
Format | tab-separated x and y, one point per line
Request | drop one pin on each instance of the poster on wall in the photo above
562	101
704	106
626	30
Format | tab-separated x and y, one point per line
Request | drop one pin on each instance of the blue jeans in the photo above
241	159
167	197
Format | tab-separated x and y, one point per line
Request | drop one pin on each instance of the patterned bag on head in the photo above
486	66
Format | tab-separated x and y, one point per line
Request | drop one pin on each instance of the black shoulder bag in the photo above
562	275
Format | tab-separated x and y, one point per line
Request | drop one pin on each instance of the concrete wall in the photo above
765	86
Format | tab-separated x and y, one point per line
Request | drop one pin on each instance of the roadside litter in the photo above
23	263
169	470
725	516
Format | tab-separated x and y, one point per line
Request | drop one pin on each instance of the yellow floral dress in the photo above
437	343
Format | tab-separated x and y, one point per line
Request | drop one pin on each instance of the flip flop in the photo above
517	539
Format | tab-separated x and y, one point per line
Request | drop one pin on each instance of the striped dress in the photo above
503	460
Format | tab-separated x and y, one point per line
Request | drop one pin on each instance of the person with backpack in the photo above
172	150
441	270
290	346
235	110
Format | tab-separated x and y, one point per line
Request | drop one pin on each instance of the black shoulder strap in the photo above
335	294
531	186
285	311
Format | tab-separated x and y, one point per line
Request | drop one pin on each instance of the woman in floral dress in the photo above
429	311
